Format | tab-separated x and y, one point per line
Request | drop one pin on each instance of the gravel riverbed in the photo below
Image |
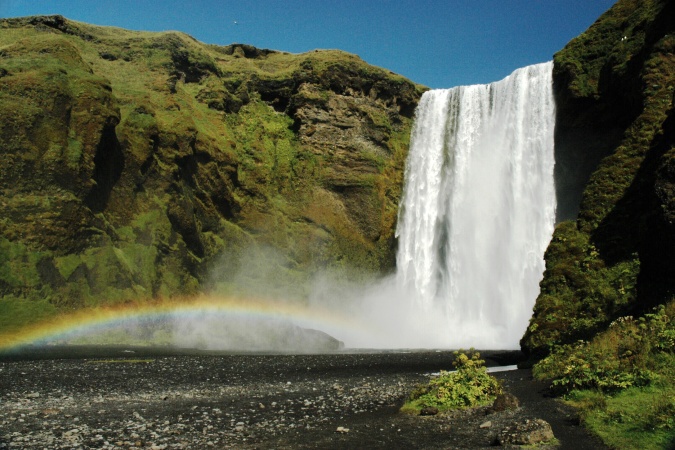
165	399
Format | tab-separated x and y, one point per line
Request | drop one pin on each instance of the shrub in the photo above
468	386
616	359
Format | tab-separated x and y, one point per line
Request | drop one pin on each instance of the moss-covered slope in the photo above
614	88
135	165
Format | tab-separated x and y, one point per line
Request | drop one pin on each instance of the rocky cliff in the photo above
138	165
141	165
615	157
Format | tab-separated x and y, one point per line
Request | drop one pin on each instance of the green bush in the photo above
468	386
577	367
621	382
619	358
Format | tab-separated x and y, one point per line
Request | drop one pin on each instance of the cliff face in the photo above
616	168
135	165
140	165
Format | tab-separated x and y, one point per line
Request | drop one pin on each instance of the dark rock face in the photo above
614	144
108	168
132	164
657	243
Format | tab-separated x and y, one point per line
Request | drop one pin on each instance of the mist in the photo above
477	214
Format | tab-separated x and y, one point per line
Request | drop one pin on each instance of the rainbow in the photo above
99	319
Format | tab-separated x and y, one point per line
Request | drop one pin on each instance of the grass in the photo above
635	418
17	313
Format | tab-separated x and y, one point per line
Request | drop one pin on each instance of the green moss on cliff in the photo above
136	165
618	73
609	47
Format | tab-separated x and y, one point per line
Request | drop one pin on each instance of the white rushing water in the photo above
478	210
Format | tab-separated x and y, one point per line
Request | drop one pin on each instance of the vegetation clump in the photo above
622	381
623	356
468	386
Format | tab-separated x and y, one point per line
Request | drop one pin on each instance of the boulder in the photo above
528	432
505	401
429	411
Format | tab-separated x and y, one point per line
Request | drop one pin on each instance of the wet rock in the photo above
429	411
505	401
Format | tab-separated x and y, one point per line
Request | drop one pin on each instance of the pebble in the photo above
162	405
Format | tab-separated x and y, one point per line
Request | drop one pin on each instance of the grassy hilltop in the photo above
137	165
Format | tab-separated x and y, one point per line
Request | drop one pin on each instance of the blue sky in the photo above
437	43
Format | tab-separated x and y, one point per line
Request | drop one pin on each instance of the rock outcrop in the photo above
504	402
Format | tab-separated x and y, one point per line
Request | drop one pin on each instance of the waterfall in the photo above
478	209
